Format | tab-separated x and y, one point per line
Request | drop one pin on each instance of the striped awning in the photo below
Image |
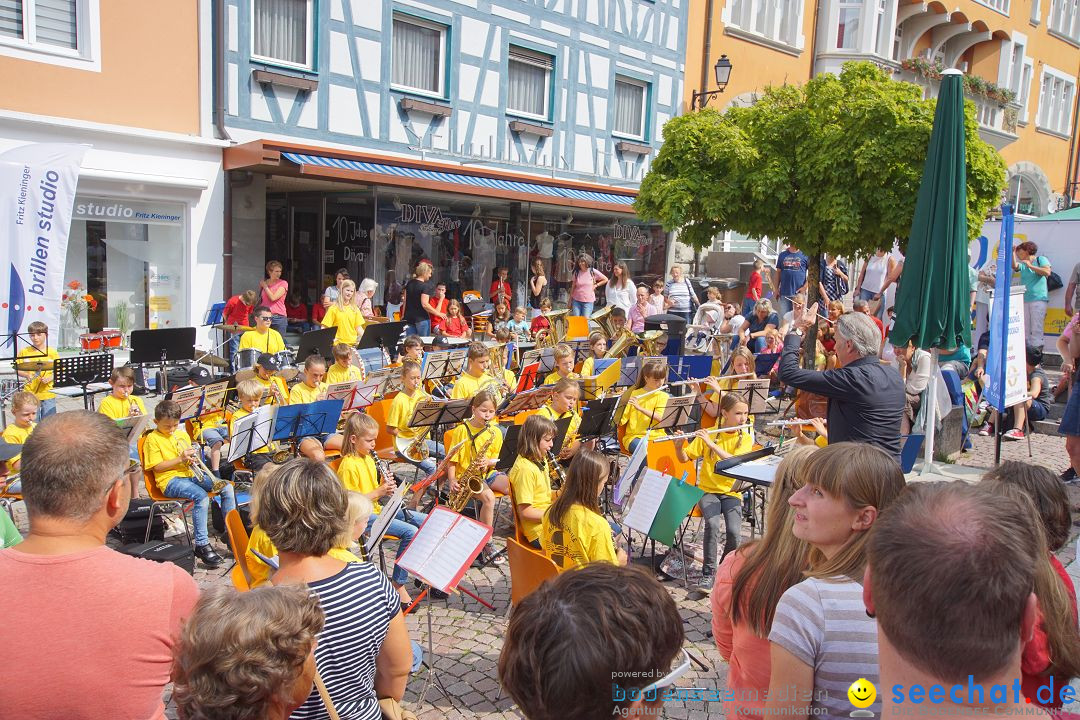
468	183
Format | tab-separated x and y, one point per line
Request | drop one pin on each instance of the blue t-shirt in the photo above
1034	283
792	267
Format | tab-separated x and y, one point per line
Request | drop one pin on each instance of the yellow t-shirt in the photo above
232	431
260	571
733	443
346	320
274	380
401	411
575	421
587	369
118	409
468	385
637	423
159	447
467	452
336	375
268	342
303	393
16	436
532	486
582	537
41	390
554	377
359	473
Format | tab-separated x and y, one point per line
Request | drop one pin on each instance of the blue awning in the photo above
469	183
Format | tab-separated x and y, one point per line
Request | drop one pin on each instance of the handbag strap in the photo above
325	695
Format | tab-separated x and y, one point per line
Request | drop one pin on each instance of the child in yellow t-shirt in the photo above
121	404
573	531
564	365
530	478
472	435
168	454
359	473
39	382
563	404
401	411
24	408
249	392
597	348
645	406
720	506
343	370
476	377
312	389
266	374
345	316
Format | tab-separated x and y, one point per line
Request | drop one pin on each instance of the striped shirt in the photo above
824	624
359	603
679	294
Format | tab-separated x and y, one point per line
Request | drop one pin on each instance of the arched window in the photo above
1025	197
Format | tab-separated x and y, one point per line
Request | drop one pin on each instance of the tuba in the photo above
602	317
471	481
621	342
651	342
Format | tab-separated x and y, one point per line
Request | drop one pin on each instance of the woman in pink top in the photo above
583	290
273	292
748	586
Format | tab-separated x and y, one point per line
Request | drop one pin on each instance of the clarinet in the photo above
555	471
384	472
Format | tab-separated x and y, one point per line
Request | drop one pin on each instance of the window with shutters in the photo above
55	27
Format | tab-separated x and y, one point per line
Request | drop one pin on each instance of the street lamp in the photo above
723	73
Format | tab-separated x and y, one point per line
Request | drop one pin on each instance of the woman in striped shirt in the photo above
363	652
822	639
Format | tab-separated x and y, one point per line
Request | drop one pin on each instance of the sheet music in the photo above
438	524
648	496
457	550
756	393
252	432
189	400
386	516
214	399
133	427
637	461
341	390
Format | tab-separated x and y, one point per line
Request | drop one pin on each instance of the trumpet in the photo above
133	408
713	431
197	463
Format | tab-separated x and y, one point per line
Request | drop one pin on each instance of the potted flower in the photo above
73	304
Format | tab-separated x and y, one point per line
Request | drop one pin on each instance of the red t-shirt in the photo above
1035	657
505	291
753	288
539	323
455	327
90	633
318	312
440	305
236	312
299	312
880	326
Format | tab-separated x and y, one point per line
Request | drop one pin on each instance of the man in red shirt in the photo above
238	312
753	289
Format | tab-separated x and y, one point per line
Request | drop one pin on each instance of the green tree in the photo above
832	166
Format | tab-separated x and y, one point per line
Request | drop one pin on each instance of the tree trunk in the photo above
812	296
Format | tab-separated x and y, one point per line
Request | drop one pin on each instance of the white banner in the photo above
37	190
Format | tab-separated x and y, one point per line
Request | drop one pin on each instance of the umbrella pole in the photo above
931	424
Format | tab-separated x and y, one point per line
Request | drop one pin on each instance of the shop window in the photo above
630	96
419	56
529	83
282	31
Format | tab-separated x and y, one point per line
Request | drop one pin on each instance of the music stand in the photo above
320	342
562	427
530	374
381	335
688	367
596	418
294	422
528	400
509	453
190	400
162	346
628	370
438	413
252	432
83	371
756	395
678	413
580	348
756	470
389	380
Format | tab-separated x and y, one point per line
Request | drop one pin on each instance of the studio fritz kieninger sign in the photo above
37	190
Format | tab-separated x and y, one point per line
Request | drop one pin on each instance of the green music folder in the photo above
659	504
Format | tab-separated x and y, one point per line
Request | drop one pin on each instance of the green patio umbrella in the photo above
933	304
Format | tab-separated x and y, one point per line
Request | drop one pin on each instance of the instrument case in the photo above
182	555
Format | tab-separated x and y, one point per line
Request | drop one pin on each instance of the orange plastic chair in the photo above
577	328
519	534
528	569
384	443
662	458
238	541
158	500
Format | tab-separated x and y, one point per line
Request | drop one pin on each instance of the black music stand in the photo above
596	418
678	414
509	453
83	371
381	335
317	342
758	478
562	427
436	414
756	394
162	346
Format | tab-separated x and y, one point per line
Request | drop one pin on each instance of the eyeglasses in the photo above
672	676
264	318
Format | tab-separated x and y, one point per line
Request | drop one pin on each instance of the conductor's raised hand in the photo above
805	317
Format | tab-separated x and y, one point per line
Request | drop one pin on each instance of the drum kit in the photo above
247	359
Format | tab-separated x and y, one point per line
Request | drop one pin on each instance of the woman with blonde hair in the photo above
361	656
344	315
821	639
749	584
247	656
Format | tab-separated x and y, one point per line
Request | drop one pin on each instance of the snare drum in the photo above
286	369
246	358
110	338
90	341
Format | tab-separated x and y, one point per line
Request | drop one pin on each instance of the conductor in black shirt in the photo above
866	398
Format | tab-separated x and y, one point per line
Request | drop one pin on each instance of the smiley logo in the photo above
862	693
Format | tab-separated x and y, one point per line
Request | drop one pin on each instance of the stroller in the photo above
703	335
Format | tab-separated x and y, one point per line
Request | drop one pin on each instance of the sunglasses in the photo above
264	318
672	676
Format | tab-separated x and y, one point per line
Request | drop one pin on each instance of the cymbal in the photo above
288	373
233	328
34	365
213	360
245	374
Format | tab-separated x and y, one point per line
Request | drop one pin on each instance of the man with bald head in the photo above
89	631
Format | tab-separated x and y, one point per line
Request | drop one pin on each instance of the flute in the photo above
713	431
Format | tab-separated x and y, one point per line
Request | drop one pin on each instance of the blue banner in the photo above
999	314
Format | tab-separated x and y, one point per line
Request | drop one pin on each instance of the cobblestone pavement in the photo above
466	636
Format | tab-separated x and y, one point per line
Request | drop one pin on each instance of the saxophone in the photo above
471	481
555	470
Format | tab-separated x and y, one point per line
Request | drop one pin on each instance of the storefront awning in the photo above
306	161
